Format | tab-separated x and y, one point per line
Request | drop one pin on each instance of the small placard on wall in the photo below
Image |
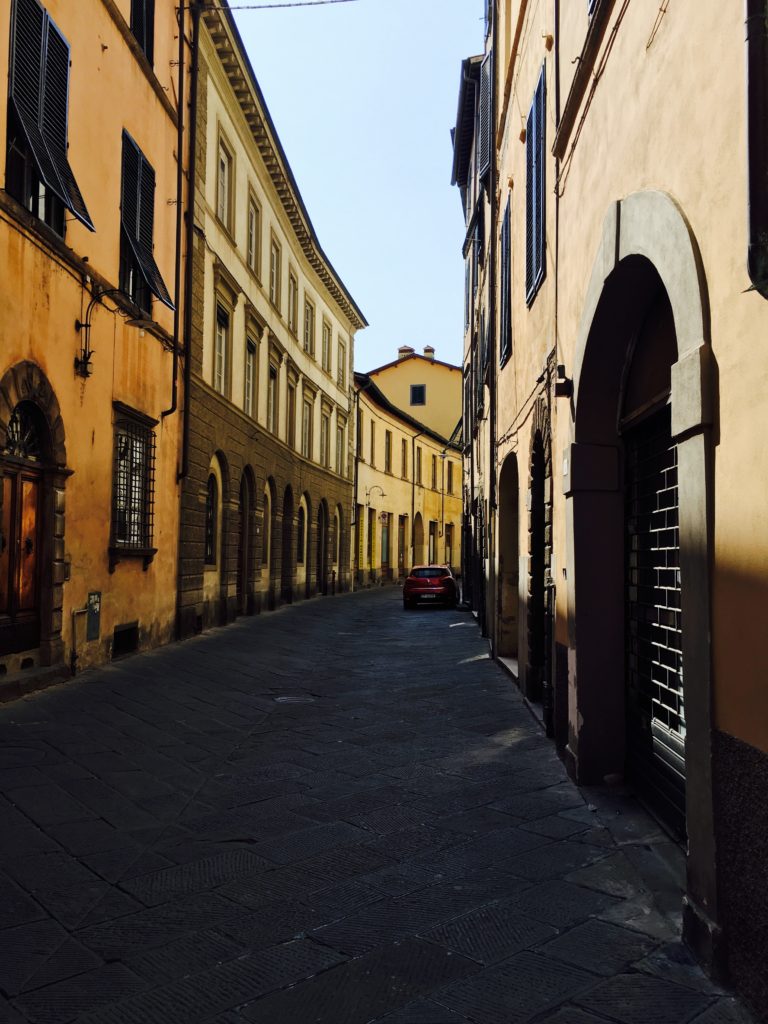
94	615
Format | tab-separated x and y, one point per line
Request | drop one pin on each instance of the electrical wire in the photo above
269	7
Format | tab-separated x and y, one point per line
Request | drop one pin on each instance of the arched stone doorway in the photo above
418	539
644	384
245	545
32	479
322	547
267	549
286	568
509	559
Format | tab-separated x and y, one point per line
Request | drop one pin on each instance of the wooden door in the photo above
20	561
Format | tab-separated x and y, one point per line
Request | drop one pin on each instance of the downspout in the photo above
190	214
757	143
179	221
491	615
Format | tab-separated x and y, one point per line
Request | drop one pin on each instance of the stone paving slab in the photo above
217	831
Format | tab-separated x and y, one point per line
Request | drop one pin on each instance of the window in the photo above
220	350
467	290
434	472
325	439
272	400
326	353
432	556
359	450
450	477
250	376
418	466
38	174
301	533
139	274
404	459
485	132
274	274
309	327
340	460
143	25
467	405
418	394
505	283
133	490
291	414
387	451
293	303
211	510
342	371
254	236
535	207
306	429
373	443
224	186
449	544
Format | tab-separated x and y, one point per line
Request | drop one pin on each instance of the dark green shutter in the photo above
540	176
485	128
505	327
39	92
137	209
530	188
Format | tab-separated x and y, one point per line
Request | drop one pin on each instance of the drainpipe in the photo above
190	214
492	612
757	142
413	498
179	219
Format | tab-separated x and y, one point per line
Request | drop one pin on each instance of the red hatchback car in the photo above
432	584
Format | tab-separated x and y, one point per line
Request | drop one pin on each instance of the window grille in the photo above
133	503
535	206
37	136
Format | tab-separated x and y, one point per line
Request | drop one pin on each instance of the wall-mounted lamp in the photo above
563	384
83	327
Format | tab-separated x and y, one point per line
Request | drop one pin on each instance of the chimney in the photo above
429	352
405	350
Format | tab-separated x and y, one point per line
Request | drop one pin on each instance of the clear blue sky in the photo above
363	96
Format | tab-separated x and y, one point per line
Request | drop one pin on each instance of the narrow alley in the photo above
335	814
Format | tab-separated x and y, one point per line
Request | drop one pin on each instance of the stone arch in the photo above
268	516
286	566
246	546
321	563
304	534
647	250
25	385
509	558
418	540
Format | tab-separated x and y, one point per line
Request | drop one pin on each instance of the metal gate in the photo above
655	708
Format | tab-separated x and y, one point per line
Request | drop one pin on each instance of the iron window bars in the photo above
133	491
39	92
139	274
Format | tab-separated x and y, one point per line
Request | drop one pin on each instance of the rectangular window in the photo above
359	449
387	451
309	327
274	274
325	439
250	376
224	183
432	542
326	353
340	460
342	372
143	25
254	236
467	297
404	459
434	472
38	174
418	394
485	129
133	490
139	274
220	353
291	413
293	303
505	285
418	466
373	443
272	400
449	544
535	206
467	405
449	487
306	429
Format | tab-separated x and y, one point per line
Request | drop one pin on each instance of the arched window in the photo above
301	530
211	510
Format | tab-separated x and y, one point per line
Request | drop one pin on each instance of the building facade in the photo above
90	210
408	467
267	468
627	536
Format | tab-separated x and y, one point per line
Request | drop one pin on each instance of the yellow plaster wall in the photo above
442	409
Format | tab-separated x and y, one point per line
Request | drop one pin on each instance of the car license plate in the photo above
429	597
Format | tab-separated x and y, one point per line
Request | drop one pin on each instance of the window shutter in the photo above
530	187
138	214
505	342
485	129
540	176
39	93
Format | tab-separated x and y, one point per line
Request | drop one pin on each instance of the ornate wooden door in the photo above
19	561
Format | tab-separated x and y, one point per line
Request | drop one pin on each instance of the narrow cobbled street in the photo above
337	813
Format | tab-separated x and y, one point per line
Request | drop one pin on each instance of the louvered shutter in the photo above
484	145
505	342
540	176
39	90
137	208
530	202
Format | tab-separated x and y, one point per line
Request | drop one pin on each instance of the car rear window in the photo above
429	572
